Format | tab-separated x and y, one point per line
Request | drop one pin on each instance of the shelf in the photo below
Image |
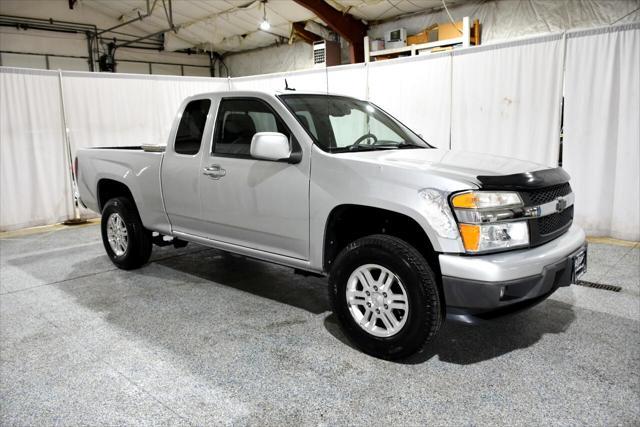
464	40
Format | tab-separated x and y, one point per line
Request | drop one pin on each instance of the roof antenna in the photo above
286	85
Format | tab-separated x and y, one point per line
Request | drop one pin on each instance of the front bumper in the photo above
499	282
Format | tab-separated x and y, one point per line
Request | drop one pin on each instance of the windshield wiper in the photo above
405	145
353	148
398	146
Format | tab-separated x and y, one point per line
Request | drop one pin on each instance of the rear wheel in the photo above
385	296
125	239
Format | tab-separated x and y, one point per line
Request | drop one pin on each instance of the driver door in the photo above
253	203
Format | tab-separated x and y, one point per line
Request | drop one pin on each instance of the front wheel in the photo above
386	297
125	239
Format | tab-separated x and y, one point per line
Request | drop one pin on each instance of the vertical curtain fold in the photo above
506	99
427	82
34	178
601	148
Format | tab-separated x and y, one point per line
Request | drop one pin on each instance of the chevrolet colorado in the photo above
408	234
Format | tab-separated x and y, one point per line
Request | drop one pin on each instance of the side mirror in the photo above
270	146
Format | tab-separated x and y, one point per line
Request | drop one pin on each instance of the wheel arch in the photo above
348	222
110	188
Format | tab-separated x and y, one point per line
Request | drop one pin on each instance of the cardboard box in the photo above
418	38
447	30
429	34
377	45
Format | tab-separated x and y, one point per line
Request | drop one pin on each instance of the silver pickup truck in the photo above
408	234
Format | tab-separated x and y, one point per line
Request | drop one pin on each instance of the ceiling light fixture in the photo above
264	25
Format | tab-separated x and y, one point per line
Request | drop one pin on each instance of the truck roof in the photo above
269	93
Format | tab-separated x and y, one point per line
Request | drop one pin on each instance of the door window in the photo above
191	127
241	118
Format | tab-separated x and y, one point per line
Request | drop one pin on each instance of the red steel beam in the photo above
344	24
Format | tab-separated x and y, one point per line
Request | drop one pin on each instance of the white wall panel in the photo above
417	91
23	61
506	99
166	69
71	64
602	130
131	67
197	71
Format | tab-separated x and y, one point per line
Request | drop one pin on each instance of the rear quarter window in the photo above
191	127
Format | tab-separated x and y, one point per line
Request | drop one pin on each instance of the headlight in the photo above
482	216
486	199
438	213
489	237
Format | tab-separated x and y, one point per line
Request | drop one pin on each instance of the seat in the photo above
237	132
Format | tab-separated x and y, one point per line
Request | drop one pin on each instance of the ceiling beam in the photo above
349	28
304	35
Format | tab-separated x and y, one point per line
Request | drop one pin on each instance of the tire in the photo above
133	251
416	323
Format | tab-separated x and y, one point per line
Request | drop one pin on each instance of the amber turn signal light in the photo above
470	237
464	200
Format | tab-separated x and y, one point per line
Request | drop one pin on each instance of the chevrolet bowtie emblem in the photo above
561	204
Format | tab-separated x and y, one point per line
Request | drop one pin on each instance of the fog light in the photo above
502	289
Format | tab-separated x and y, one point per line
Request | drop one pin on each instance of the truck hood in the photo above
459	165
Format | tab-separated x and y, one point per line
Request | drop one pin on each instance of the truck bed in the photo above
136	167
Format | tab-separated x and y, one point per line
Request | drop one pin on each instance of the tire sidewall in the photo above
357	255
131	255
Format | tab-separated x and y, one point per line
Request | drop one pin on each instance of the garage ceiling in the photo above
232	26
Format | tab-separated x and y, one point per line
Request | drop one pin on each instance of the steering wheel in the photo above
364	138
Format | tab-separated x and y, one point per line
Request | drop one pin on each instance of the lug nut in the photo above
384	294
377	310
386	306
375	288
368	304
368	293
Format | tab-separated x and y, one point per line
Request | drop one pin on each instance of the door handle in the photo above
214	172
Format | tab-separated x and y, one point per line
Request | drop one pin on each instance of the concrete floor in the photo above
199	337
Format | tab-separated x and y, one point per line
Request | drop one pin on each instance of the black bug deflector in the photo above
524	181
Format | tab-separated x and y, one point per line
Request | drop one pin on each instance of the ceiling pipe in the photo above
349	28
139	18
148	36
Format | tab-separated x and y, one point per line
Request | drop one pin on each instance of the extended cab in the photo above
331	185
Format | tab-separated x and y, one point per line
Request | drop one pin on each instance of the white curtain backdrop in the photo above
116	110
34	179
506	99
302	81
602	130
503	99
349	80
417	91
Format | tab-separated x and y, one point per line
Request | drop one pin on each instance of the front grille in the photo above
547	228
545	195
552	223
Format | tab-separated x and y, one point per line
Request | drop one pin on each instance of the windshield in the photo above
341	124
